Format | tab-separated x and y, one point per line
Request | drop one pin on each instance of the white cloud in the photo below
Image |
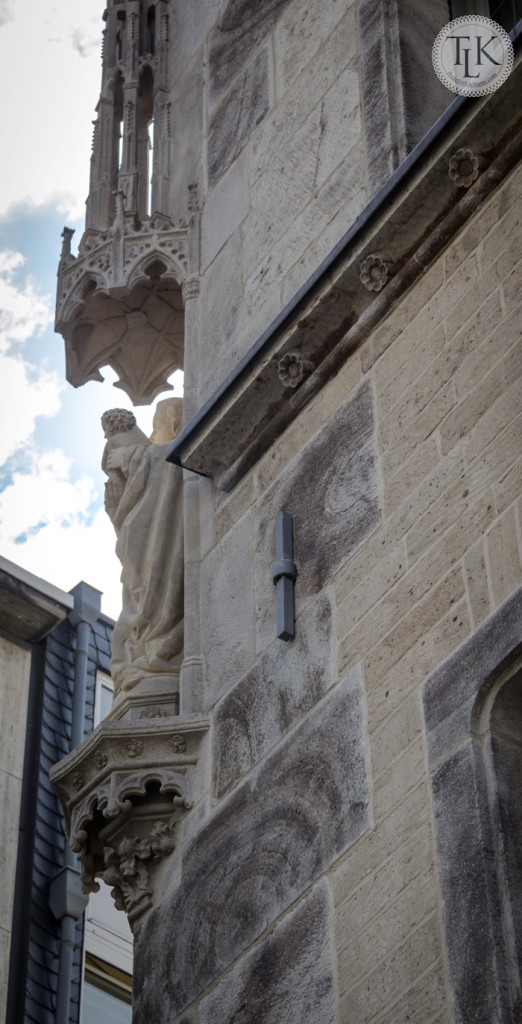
44	527
26	391
47	129
22	311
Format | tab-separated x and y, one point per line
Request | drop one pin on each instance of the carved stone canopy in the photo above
119	303
123	792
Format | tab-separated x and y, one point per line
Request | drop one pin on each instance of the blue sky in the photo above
51	486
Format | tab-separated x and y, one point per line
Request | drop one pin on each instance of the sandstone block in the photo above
493	422
488	348
400	433
408	309
288	979
225	208
242	26
423	658
401	775
309	237
476	233
300	34
280	688
477	582
412	627
503	556
457	513
227	609
366	594
380	890
331	492
294	107
230	507
388	931
263	847
400	620
396	733
384	985
427	995
220	308
422	462
480	399
238	115
509	487
389	835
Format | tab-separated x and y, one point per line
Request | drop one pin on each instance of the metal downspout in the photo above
65	896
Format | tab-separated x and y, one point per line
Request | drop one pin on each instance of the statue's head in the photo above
117	421
168	420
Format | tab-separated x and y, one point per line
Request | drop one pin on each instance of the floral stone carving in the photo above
121	812
464	168
374	272
292	368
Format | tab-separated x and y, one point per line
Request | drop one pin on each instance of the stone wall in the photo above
311	891
15	665
289	115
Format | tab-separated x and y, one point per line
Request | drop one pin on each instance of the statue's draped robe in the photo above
148	517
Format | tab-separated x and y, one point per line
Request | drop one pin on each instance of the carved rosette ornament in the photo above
292	369
463	168
123	792
374	272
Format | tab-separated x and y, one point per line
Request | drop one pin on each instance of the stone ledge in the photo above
386	251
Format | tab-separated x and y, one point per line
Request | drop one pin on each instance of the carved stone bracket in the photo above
119	302
123	792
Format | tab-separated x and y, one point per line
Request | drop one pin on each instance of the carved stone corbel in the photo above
124	791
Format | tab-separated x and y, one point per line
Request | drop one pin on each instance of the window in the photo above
106	993
103	699
505	12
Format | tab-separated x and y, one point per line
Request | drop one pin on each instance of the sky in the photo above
52	520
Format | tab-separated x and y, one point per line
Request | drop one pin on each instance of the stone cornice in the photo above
389	247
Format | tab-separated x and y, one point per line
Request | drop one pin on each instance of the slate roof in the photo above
49	843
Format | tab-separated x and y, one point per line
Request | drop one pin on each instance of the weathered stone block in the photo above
281	687
386	982
388	930
241	28
331	491
504	556
227	609
390	835
423	658
224	209
238	115
220	307
477	581
289	978
261	850
481	398
381	889
465	864
450	693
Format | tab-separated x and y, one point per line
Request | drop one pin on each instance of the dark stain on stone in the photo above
331	492
243	108
283	685
262	849
288	978
242	26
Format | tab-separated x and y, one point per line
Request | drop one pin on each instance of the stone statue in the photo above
143	498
